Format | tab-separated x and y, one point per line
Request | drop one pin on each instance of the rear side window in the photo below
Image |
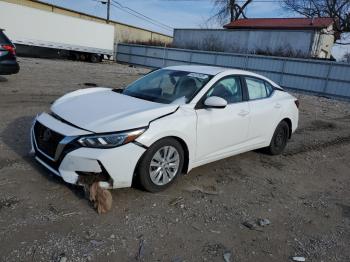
256	88
3	38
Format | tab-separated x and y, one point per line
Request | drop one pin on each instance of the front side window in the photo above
228	88
256	88
168	86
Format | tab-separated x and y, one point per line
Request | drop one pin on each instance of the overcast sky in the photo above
173	13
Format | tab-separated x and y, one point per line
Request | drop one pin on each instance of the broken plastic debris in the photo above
227	256
263	222
300	259
249	224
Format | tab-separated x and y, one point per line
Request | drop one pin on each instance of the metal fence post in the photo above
191	57
246	62
115	53
282	72
327	77
164	55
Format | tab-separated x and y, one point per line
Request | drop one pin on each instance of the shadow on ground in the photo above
17	137
3	79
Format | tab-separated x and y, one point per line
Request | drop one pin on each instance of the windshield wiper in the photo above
118	90
141	96
136	95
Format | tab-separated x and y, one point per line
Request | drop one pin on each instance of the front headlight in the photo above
110	140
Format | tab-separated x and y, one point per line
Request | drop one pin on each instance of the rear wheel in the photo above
279	139
160	165
94	58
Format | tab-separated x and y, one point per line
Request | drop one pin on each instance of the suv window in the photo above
3	38
257	88
228	88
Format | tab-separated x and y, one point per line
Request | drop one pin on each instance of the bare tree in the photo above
230	9
208	23
339	10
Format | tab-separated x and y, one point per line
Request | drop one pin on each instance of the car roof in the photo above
209	70
214	70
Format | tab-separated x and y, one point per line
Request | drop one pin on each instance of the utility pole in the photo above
231	7
108	10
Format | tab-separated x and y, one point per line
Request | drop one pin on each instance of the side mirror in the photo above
215	102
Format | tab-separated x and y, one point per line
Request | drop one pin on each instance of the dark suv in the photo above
8	61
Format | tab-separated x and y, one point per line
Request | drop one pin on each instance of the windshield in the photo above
167	86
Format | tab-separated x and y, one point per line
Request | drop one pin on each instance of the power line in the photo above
142	15
139	17
135	13
148	19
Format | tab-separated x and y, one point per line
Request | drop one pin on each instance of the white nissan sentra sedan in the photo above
162	125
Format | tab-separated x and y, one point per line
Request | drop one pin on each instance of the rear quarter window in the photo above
269	88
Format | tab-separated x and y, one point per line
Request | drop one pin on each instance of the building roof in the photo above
280	23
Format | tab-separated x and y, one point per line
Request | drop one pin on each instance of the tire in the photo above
75	56
95	58
83	57
154	172
279	139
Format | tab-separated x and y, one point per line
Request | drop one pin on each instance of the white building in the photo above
301	37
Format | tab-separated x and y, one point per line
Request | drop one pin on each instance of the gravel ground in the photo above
207	215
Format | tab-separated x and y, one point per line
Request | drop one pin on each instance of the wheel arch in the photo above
184	147
186	152
289	122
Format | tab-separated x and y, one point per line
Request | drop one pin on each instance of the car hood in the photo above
102	110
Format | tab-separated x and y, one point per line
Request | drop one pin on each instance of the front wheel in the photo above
160	165
279	139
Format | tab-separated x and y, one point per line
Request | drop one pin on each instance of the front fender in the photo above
181	124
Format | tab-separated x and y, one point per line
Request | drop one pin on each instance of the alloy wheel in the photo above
164	165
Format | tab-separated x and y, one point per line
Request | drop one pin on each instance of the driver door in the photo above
222	131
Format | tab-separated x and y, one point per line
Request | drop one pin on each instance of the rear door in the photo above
222	131
264	108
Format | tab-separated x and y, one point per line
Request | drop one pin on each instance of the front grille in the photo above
46	139
57	162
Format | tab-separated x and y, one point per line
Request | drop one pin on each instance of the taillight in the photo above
9	48
297	103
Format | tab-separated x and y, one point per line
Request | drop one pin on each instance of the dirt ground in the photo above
304	193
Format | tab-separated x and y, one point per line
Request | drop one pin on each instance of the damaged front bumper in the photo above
55	147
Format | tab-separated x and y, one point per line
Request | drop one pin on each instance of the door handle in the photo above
278	105
243	113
